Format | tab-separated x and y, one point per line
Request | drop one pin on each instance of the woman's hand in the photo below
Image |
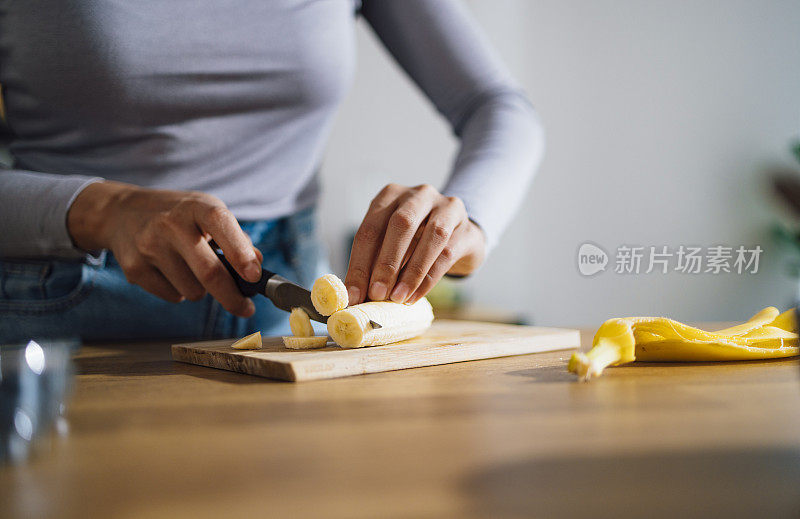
409	239
160	239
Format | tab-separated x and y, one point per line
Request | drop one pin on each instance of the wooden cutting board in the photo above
444	343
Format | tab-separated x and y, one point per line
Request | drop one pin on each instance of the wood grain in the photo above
512	437
446	342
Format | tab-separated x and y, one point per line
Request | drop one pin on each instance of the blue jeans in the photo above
52	298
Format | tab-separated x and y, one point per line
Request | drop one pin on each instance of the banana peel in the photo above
768	334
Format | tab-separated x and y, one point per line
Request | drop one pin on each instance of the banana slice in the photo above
351	328
329	294
304	343
300	323
251	342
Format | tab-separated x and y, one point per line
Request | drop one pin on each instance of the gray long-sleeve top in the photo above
234	98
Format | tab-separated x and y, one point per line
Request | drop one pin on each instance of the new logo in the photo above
591	259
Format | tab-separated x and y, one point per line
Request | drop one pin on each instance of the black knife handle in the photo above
247	288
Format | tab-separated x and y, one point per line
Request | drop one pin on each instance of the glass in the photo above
35	381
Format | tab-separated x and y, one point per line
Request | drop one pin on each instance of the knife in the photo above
283	293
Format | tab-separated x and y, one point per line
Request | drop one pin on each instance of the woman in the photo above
141	130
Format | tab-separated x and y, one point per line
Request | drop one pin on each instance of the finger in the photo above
400	230
151	280
178	273
474	251
259	256
448	257
413	245
211	273
438	231
220	223
367	241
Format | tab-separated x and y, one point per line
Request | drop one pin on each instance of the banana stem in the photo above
592	363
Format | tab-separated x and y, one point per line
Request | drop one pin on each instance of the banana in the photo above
304	343
300	323
351	328
768	334
328	294
251	342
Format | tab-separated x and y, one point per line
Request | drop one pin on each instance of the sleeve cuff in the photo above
42	230
63	239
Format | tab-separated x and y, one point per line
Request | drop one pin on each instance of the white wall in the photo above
661	118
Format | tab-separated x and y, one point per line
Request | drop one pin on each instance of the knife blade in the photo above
283	293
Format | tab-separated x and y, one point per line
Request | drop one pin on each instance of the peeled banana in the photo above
328	294
768	334
251	342
351	327
304	343
300	323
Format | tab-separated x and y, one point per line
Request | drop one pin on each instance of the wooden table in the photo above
511	437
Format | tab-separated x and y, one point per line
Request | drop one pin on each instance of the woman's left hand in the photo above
409	239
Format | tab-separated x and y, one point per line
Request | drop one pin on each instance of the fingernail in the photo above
377	292
400	293
253	272
354	295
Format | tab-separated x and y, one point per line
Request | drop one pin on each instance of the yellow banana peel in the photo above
768	334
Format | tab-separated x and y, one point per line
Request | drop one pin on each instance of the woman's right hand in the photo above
160	239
